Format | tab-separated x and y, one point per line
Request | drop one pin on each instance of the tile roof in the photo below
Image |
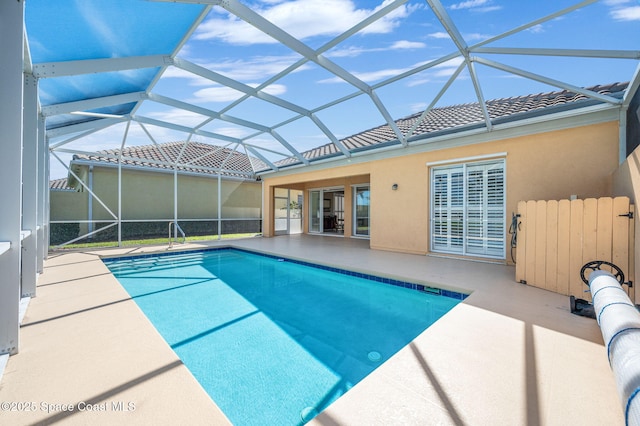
60	185
197	157
204	158
455	118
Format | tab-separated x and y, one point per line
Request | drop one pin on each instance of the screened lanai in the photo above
269	80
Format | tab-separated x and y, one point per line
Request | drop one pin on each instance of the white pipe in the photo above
619	321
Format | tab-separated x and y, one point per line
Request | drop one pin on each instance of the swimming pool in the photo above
271	340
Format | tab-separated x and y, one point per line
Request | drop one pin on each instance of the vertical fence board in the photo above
575	248
529	274
589	231
541	244
551	260
620	255
521	250
589	242
564	235
605	228
620	232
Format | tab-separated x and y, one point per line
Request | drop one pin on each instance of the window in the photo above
468	209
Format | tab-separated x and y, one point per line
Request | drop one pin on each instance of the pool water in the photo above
274	341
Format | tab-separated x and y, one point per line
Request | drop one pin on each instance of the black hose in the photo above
513	230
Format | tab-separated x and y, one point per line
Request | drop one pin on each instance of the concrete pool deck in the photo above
508	355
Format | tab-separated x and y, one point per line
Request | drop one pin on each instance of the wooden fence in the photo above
556	238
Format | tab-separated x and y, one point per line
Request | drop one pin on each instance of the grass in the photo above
155	241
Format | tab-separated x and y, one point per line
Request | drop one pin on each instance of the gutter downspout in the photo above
622	135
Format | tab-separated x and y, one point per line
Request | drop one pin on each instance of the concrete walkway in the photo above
508	355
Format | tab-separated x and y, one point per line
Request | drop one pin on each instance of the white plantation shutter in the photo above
448	208
468	209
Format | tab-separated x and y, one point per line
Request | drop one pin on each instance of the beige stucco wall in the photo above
626	182
149	195
68	205
548	165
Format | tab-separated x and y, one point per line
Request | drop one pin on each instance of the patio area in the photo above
507	355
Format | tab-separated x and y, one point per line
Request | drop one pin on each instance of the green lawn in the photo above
155	241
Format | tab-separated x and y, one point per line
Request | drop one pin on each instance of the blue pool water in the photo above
275	341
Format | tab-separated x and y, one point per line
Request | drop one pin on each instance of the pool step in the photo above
139	264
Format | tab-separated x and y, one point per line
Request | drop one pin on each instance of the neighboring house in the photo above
452	186
147	191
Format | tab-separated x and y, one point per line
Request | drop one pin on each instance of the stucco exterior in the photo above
68	205
626	182
555	160
148	195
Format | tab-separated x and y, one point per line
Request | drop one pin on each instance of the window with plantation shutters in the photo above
468	209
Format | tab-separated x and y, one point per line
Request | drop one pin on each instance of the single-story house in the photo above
148	198
452	187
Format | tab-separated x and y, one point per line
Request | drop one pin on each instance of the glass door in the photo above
281	211
295	211
315	211
287	211
361	207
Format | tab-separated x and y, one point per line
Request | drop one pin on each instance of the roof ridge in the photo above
200	157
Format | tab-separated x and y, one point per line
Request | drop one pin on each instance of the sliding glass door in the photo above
326	211
315	211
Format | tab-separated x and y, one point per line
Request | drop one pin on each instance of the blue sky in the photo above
407	37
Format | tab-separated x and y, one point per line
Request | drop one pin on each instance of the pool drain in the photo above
308	413
374	356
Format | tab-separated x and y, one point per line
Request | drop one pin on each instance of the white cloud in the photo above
476	6
475	36
467	37
216	94
536	29
349	52
195	80
179	116
227	94
368	77
353	51
439	35
406	44
615	2
441	70
300	18
631	13
252	69
468	4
